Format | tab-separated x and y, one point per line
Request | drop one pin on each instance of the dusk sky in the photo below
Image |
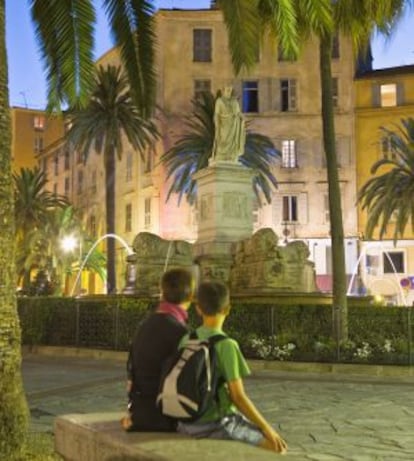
27	82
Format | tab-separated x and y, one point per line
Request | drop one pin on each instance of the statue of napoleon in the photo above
229	125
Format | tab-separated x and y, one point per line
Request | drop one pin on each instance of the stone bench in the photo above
100	437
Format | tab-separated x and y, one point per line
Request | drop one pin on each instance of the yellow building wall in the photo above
368	121
25	134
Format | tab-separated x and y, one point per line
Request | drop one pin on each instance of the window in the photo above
335	47
250	101
393	262
335	93
55	189
56	164
129	165
38	144
289	158
94	182
39	122
372	264
202	45
44	165
80	182
66	159
67	187
128	217
201	87
287	95
290	208
388	95
147	212
148	163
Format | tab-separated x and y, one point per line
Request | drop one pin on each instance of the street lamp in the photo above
68	244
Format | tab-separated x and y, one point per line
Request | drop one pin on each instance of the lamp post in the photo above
68	244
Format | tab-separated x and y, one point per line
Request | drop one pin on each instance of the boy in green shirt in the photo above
232	415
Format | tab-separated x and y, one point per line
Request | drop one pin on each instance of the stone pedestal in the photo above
225	206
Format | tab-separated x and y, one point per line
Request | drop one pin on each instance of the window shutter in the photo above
303	208
293	94
376	95
304	153
400	94
275	94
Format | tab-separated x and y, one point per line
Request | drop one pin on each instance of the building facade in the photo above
383	98
279	98
32	132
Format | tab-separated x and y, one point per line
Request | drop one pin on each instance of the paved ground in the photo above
323	417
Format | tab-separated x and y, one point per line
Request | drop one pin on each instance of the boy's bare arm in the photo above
249	410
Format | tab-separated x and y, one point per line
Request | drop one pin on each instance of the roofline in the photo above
387	71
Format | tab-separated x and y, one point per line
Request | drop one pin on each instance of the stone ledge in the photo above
328	368
99	437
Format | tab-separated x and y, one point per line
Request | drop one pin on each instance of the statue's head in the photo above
227	91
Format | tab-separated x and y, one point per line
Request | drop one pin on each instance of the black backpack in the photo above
189	379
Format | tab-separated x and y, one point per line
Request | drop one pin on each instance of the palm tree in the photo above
33	209
192	151
65	35
391	194
291	22
109	115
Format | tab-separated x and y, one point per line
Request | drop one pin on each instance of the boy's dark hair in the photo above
177	285
212	297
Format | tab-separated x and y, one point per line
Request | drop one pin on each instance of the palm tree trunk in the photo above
339	306
110	165
13	406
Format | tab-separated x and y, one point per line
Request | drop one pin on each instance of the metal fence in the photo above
268	331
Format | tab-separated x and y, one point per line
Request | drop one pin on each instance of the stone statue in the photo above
262	266
230	134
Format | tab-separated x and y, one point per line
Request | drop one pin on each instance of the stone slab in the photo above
99	437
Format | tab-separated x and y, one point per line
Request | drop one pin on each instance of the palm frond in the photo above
110	113
64	31
244	30
389	197
133	27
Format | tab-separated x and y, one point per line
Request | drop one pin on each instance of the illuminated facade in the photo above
32	132
279	98
383	98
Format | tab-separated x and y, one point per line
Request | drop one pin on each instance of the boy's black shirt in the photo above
156	337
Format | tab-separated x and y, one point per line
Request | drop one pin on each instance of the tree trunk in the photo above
110	165
339	306
13	406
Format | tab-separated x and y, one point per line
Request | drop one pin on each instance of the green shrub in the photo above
264	329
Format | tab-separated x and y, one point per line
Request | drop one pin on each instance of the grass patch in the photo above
40	447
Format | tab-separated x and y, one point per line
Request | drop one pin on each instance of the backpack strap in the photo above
216	338
193	335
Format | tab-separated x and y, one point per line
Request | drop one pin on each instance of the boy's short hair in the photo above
177	286
212	297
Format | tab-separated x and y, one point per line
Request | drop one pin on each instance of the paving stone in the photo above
323	418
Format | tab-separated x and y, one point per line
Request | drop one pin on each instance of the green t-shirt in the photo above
231	364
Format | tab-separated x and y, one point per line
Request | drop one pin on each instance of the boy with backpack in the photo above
230	414
156	338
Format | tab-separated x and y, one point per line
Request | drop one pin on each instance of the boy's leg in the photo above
232	427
